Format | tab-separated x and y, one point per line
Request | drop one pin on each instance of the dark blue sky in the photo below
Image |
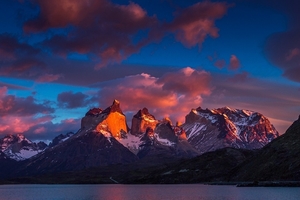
58	58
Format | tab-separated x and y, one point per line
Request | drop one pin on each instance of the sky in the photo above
59	58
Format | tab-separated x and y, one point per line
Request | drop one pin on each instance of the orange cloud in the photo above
172	95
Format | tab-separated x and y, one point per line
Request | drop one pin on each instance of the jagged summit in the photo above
115	107
110	120
141	121
144	112
18	147
209	130
94	112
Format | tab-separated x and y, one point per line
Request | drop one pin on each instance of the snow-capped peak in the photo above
206	128
18	147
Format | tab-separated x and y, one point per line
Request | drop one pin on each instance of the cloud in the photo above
220	64
34	120
12	86
283	49
18	58
234	62
49	130
277	101
239	78
193	24
19	114
292	54
19	124
96	27
171	95
21	106
73	100
48	78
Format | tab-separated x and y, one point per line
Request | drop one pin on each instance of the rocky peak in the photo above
94	112
115	107
18	147
113	121
180	132
141	121
150	132
230	127
167	120
141	113
60	138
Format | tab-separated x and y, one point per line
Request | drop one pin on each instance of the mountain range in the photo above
224	136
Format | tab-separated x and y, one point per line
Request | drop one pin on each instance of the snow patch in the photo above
131	142
163	141
183	170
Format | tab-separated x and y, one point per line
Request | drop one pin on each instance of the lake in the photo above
149	192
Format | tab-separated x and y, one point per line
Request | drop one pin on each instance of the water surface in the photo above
149	192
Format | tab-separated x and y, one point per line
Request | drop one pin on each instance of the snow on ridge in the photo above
131	142
163	141
22	155
195	128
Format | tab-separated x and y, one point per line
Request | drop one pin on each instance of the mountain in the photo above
18	147
209	130
277	161
141	121
156	140
111	119
209	167
6	164
93	145
154	147
60	138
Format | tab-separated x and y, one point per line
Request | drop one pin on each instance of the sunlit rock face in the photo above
164	142
111	120
95	144
141	121
209	130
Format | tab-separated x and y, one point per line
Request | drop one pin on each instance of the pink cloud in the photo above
18	115
25	115
172	95
39	130
48	78
234	62
13	124
193	24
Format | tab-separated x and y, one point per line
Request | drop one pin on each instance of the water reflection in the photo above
138	192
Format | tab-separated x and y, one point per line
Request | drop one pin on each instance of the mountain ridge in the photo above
105	139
